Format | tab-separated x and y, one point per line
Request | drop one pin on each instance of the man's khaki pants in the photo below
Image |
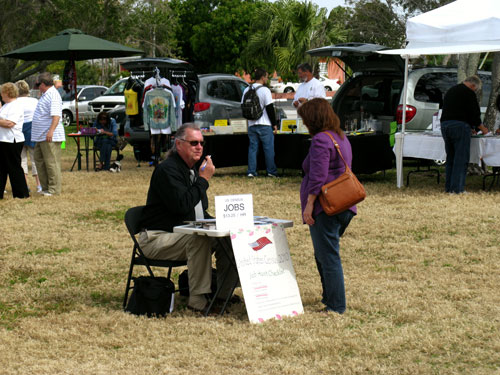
197	250
48	166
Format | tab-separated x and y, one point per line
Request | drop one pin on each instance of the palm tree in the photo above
282	32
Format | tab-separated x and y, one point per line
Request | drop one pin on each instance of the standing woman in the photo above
29	106
11	142
322	165
106	126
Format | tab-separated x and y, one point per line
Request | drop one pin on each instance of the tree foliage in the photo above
151	26
376	21
218	42
282	32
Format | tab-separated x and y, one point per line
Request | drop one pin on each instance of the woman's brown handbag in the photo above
343	192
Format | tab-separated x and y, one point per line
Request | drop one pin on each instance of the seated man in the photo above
178	192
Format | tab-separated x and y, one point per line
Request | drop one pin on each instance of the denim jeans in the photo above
456	135
105	146
325	235
264	133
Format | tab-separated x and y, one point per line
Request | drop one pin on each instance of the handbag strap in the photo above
338	149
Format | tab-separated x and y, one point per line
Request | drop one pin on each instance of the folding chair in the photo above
132	218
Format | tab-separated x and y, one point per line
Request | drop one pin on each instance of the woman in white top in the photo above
11	142
29	105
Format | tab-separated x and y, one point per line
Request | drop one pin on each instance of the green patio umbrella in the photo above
72	45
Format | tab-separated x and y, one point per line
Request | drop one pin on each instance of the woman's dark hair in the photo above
103	116
318	116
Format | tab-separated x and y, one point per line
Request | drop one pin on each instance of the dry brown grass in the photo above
421	272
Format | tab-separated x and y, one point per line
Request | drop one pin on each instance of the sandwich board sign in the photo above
266	272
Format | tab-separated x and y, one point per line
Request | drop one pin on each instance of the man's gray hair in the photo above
475	80
45	78
180	134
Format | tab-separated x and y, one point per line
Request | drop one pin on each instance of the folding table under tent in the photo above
461	27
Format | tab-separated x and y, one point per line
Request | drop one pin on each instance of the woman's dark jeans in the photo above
325	235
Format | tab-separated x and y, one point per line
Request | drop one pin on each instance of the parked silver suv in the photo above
85	93
375	88
109	100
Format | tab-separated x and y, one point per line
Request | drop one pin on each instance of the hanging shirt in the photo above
179	104
131	103
159	111
151	83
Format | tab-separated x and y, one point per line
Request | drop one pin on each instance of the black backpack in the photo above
251	104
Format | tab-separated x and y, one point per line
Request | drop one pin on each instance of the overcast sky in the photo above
330	4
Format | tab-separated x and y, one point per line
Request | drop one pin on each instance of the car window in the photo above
68	96
226	90
431	87
117	88
87	93
242	86
98	91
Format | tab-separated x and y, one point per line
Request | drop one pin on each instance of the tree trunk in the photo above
491	112
467	66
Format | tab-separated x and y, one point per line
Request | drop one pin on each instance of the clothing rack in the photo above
178	73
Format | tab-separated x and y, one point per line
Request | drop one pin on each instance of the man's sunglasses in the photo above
193	143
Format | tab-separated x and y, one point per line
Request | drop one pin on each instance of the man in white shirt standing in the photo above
48	133
263	128
310	86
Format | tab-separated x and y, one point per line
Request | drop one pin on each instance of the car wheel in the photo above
67	118
328	88
288	89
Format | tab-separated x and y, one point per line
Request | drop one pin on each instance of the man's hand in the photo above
50	133
208	170
299	101
483	129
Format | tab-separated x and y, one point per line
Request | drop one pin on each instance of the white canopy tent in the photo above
464	26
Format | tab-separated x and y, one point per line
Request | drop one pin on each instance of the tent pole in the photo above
76	99
400	137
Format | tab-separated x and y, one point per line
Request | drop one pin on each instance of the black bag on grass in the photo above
151	296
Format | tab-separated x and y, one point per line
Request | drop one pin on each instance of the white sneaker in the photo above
46	194
39	189
251	175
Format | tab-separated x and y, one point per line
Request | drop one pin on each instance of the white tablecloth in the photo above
426	146
431	146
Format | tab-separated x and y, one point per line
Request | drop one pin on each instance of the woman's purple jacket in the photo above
322	165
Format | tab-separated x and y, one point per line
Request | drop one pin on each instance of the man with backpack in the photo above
258	108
